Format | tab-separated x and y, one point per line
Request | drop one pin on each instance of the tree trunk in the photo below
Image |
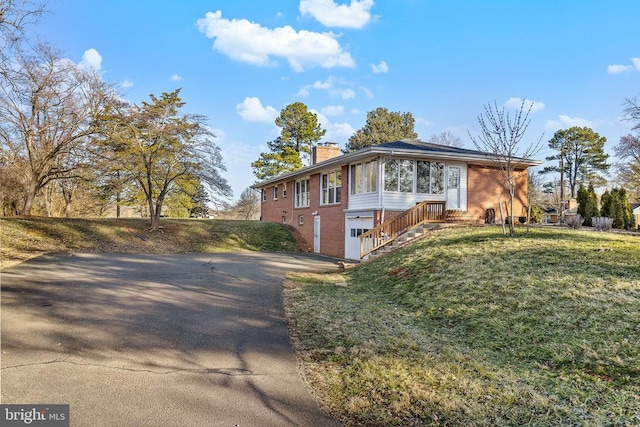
512	226
28	200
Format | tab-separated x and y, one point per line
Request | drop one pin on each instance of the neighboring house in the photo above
550	216
635	207
341	196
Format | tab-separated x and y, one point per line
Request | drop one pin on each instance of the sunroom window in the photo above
364	177
430	177
400	175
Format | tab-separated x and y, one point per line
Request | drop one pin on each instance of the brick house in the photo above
339	196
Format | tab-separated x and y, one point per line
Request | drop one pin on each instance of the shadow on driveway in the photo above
150	340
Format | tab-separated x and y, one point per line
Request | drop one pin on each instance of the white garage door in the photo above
354	228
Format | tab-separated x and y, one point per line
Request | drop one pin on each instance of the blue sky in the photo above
240	62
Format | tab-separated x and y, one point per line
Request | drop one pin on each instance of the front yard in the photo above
467	327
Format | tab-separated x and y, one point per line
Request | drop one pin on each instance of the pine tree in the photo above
588	203
581	150
382	126
300	133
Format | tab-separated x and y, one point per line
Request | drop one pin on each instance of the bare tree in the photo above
446	138
248	206
628	151
47	104
500	137
14	16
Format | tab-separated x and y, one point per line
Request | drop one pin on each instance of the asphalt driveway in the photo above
155	340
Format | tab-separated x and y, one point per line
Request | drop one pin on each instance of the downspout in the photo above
380	189
293	201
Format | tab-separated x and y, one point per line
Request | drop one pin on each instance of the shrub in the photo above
536	214
575	221
602	223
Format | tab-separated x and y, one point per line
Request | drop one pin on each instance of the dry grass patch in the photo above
467	327
24	238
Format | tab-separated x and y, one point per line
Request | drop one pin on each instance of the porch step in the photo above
399	242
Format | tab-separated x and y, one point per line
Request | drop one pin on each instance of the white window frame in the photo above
275	192
400	173
363	177
331	188
301	187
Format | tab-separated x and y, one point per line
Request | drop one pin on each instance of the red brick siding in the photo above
486	190
331	216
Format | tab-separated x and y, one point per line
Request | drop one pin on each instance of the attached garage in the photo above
355	225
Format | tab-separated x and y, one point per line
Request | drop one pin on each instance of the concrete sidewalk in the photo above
156	340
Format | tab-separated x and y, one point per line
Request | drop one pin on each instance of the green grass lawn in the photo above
25	237
467	327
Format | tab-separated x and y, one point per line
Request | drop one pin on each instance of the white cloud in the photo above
347	93
176	78
91	59
335	131
366	92
325	85
624	68
617	69
252	110
517	103
330	14
126	84
336	88
382	67
565	121
249	42
333	110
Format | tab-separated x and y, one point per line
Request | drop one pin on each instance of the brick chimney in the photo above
326	151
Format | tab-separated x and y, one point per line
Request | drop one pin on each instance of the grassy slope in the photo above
22	238
467	327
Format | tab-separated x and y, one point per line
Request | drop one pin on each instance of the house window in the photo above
364	177
275	192
284	190
302	193
330	187
264	195
400	175
430	177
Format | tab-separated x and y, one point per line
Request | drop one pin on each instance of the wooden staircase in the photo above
398	231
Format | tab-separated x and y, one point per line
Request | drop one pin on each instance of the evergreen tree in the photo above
382	126
588	203
582	152
300	133
200	201
300	128
281	158
615	204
